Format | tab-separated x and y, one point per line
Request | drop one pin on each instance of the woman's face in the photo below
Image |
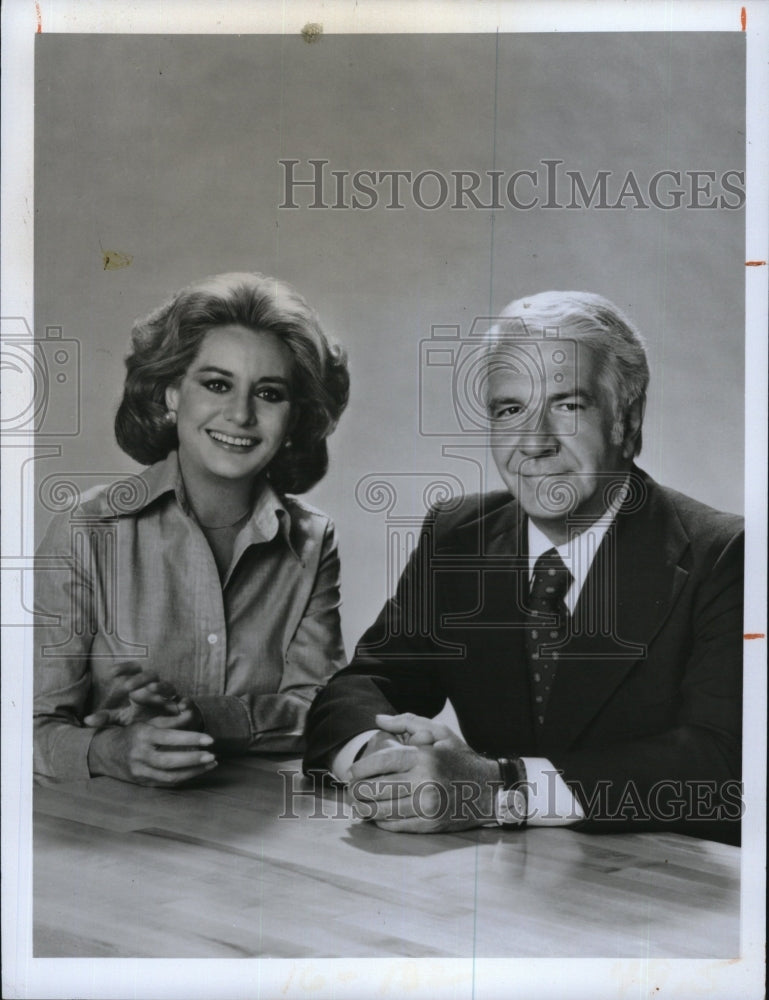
233	405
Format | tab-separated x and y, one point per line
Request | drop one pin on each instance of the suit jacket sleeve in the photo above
396	668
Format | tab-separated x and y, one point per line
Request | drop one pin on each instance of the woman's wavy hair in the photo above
167	341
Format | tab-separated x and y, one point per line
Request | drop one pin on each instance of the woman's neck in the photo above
216	502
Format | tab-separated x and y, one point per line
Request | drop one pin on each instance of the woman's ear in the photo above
172	397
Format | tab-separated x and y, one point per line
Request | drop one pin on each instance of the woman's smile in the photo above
231	443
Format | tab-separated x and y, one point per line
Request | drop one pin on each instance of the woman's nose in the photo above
241	409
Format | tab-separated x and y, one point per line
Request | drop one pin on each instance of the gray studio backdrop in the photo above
166	150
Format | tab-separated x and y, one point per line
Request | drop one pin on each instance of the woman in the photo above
197	603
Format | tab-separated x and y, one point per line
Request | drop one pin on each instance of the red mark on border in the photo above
38	18
755	263
743	18
754	635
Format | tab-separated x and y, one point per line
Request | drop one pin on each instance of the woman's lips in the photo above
240	442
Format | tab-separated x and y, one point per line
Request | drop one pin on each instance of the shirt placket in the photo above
210	622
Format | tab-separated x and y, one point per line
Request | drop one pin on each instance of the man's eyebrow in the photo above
494	401
583	394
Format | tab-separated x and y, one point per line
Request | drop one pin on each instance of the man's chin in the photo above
547	497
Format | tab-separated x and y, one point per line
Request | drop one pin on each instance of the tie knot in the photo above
551	580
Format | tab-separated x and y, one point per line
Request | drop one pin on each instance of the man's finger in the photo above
410	725
388	761
414	824
381	789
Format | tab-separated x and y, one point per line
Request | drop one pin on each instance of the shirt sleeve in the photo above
62	639
344	758
551	801
276	722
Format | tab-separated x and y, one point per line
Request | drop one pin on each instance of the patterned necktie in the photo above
547	624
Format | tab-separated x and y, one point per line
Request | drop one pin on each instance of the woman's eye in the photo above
271	395
216	385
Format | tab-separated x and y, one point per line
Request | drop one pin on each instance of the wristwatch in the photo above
511	804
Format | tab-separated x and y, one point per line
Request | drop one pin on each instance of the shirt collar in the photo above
269	516
579	551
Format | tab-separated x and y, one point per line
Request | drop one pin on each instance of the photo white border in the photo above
25	976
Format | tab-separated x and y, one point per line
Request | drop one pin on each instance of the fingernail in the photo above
206	741
207	758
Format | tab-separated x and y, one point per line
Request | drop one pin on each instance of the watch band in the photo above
511	806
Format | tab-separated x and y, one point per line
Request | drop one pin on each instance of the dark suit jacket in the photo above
644	718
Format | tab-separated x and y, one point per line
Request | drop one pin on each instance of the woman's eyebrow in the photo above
216	370
213	368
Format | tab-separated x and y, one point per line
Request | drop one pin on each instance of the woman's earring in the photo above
287	443
170	418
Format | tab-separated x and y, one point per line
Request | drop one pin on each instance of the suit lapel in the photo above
493	678
630	590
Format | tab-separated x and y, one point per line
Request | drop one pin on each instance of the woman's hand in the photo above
136	695
164	752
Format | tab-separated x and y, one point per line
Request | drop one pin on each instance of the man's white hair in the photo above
597	323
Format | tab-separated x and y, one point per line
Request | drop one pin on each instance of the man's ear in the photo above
634	418
172	397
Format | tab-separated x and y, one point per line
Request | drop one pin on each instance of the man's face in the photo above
551	434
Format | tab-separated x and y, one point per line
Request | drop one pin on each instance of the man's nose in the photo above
539	438
538	446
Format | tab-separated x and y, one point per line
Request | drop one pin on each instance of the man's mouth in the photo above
231	441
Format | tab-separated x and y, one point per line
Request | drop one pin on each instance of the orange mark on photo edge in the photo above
39	18
755	263
754	635
743	18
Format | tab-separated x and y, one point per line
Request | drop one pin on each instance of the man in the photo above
586	625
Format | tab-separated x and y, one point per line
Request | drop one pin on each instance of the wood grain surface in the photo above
218	869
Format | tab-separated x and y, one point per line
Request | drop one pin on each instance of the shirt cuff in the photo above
226	719
344	758
69	753
551	801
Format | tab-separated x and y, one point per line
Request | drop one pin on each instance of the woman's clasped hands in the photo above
146	733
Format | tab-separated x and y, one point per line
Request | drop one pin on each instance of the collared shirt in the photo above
129	576
577	553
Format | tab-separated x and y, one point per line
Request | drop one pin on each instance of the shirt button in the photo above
213	639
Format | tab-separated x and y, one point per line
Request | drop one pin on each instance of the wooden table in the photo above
211	871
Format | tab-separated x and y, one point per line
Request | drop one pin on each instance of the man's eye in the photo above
570	407
506	412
